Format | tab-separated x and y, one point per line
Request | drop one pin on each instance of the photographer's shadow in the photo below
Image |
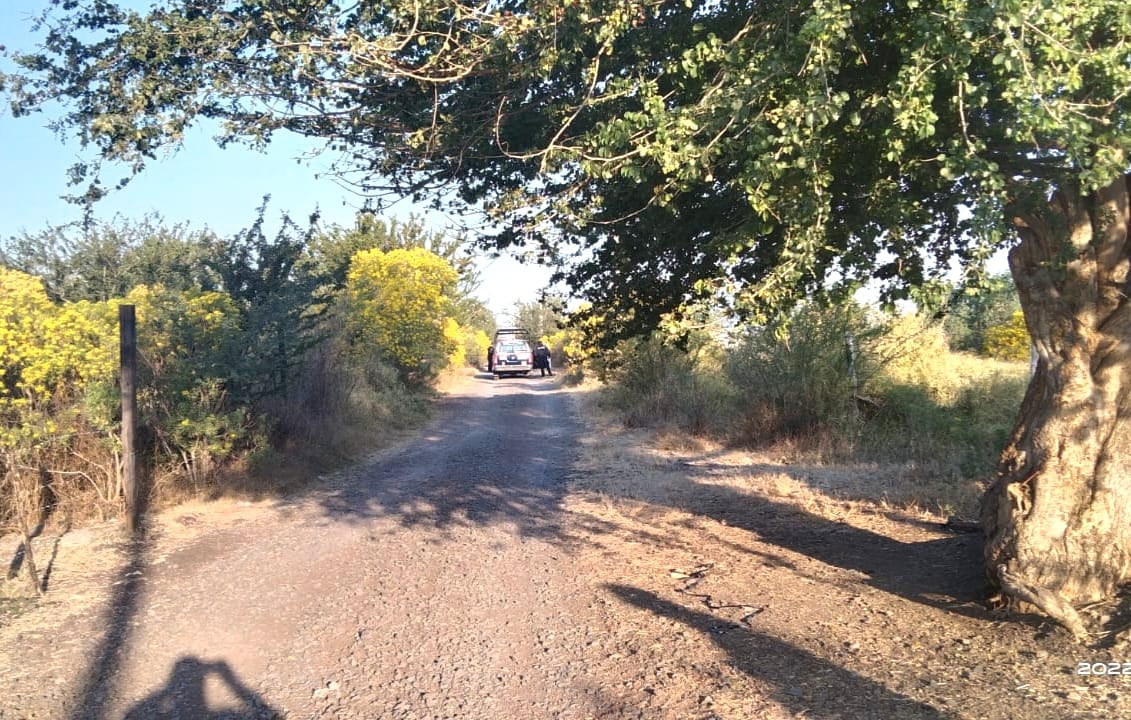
184	695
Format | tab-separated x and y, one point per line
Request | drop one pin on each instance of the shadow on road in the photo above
944	572
185	696
502	459
97	687
806	684
505	458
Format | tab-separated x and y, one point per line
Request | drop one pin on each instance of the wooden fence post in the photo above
127	329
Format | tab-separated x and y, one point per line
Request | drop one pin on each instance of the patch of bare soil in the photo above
818	602
526	558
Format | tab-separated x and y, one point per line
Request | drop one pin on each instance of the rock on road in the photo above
436	580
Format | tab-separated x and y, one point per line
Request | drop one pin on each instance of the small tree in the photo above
272	289
106	260
977	309
332	249
397	302
541	318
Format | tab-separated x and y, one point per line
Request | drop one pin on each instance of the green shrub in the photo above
794	377
949	410
913	402
656	384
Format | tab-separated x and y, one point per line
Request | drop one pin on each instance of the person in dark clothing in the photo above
490	358
542	359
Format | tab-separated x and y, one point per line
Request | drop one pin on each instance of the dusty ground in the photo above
525	558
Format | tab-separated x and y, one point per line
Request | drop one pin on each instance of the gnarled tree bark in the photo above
1058	517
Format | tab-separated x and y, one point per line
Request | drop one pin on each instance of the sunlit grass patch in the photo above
922	424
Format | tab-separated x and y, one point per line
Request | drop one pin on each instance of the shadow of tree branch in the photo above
807	684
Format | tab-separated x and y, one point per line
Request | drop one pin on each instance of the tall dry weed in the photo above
655	384
902	400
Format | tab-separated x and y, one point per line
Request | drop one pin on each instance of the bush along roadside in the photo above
251	350
900	398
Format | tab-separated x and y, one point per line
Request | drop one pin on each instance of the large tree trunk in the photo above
1058	517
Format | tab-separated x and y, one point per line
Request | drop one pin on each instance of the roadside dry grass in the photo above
827	590
242	486
651	466
920	416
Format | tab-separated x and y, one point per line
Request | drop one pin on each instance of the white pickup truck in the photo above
513	354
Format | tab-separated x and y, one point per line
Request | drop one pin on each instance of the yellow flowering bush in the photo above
455	339
1010	340
188	350
397	305
51	355
24	306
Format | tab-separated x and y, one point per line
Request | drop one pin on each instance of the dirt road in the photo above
432	581
517	562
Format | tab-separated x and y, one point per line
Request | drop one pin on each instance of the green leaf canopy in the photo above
755	151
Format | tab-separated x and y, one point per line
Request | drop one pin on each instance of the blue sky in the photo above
200	184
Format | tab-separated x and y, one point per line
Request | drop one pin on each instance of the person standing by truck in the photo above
490	358
542	359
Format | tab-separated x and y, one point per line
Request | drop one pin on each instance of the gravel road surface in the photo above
432	581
